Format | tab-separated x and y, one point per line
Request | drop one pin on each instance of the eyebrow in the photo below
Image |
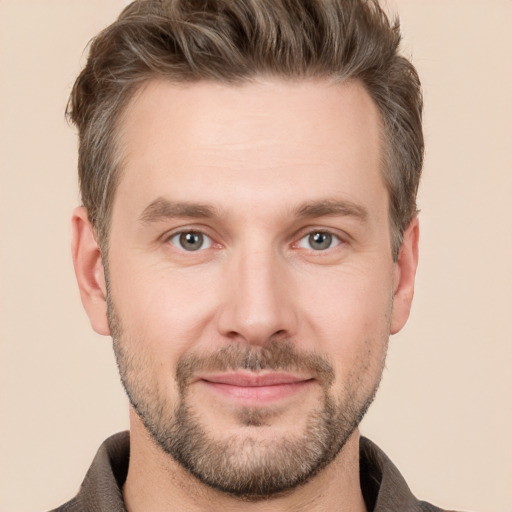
333	207
161	209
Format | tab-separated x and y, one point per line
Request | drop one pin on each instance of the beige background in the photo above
444	411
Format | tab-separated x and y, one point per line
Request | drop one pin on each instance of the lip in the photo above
255	389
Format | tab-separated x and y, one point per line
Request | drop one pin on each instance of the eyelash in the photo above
178	237
332	237
176	240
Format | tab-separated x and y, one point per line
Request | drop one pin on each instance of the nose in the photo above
257	305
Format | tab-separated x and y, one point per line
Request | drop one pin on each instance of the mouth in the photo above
255	389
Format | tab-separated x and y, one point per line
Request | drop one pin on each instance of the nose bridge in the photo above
258	305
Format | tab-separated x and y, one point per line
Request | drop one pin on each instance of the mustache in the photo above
277	355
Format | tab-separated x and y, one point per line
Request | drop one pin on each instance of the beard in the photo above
246	465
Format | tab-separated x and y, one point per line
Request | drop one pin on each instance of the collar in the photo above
384	489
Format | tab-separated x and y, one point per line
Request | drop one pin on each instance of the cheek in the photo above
349	317
164	312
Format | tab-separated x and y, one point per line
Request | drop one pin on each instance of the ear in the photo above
89	270
404	275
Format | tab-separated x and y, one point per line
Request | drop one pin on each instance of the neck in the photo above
157	483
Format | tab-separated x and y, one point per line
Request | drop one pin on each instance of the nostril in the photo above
233	335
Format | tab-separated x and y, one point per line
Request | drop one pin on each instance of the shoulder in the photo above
102	486
383	487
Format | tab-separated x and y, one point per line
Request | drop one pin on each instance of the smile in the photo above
251	389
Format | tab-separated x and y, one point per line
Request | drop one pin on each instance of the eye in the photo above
191	241
319	241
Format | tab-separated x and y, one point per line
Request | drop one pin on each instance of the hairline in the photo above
118	160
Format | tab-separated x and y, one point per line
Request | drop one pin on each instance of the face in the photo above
251	287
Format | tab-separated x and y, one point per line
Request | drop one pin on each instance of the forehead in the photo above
258	142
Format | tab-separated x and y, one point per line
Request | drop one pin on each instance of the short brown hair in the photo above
235	41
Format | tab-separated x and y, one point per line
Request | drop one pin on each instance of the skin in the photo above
255	155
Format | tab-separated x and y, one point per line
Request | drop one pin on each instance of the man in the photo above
249	239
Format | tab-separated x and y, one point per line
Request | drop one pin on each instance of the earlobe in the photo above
405	273
89	270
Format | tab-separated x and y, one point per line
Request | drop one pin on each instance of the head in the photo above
237	42
249	172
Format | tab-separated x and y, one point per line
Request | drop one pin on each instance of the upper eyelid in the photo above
170	238
330	233
301	233
295	238
187	229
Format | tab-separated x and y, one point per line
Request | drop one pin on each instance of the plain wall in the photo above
443	413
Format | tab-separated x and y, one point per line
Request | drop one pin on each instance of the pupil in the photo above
191	241
320	241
